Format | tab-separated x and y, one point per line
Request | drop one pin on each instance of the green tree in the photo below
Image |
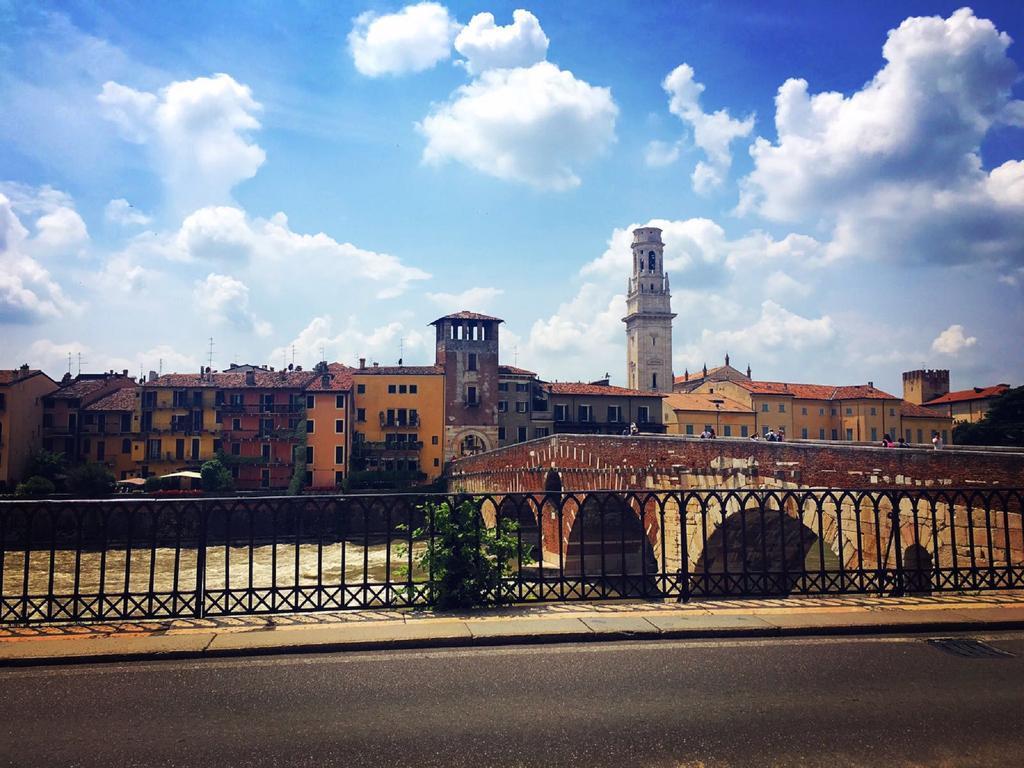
153	484
35	487
90	481
48	464
216	477
1002	425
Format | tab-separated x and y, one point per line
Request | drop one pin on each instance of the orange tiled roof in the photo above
82	387
912	410
9	377
263	380
978	393
120	400
704	401
340	379
511	370
467	315
815	391
579	388
399	370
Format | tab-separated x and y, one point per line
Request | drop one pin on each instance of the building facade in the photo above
601	409
328	440
66	414
22	392
108	433
648	316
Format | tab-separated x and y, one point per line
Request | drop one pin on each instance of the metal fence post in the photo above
899	588
200	610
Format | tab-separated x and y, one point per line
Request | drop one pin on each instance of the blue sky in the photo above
841	185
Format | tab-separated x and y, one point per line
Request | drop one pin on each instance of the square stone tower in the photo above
923	385
648	316
467	347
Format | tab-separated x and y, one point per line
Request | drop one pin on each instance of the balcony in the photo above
411	422
261	408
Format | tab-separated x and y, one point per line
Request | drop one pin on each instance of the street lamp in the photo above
718	414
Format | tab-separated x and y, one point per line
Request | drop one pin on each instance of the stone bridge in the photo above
748	517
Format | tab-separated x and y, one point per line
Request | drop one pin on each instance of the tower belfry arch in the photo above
648	315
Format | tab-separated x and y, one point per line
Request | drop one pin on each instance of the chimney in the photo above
376	364
871	385
152	376
325	380
362	363
250	378
125	373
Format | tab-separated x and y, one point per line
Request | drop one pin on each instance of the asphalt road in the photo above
808	702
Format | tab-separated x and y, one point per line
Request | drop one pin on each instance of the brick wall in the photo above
591	462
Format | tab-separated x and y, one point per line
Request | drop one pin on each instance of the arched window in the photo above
650	261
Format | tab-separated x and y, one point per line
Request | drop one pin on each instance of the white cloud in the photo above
412	40
953	341
383	344
712	132
658	154
123	213
52	357
61	230
28	294
474	299
488	46
781	283
580	332
225	235
225	300
197	132
535	125
895	169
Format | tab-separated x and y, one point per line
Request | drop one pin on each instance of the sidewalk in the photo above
546	623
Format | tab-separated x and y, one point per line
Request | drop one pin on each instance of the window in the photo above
803	433
503	386
874	433
803	411
585	412
614	414
236	449
821	411
339	478
835	434
310	401
179	449
945	436
892	411
849	434
561	412
471	396
522	386
502	406
339	425
849	411
126	446
402	389
643	414
764	407
654	380
265	451
360	389
540	431
437	462
743	431
309	454
433	440
360	414
821	434
727	430
153	449
689	429
339	454
501	433
392	389
309	426
339	401
195	449
521	406
782	407
471	365
236	424
873	413
101	450
707	427
413	388
909	436
920	436
834	411
522	434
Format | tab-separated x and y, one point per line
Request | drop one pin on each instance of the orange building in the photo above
329	414
398	423
967	405
65	414
108	434
21	415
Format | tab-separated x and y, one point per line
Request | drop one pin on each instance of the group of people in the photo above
888	442
708	434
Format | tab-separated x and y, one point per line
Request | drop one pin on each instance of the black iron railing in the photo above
128	559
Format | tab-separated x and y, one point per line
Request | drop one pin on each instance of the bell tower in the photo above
648	316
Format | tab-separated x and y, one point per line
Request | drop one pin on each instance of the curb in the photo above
710	633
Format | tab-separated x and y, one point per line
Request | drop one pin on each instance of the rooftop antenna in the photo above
323	353
401	349
160	367
515	355
209	358
293	355
79	363
69	363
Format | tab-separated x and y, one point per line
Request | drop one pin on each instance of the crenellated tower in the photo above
648	315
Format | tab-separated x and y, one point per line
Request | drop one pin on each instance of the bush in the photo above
90	481
153	484
469	561
216	477
35	487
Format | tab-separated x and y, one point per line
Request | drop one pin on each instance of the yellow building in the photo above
967	405
329	410
693	413
108	435
919	424
21	418
177	423
398	421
